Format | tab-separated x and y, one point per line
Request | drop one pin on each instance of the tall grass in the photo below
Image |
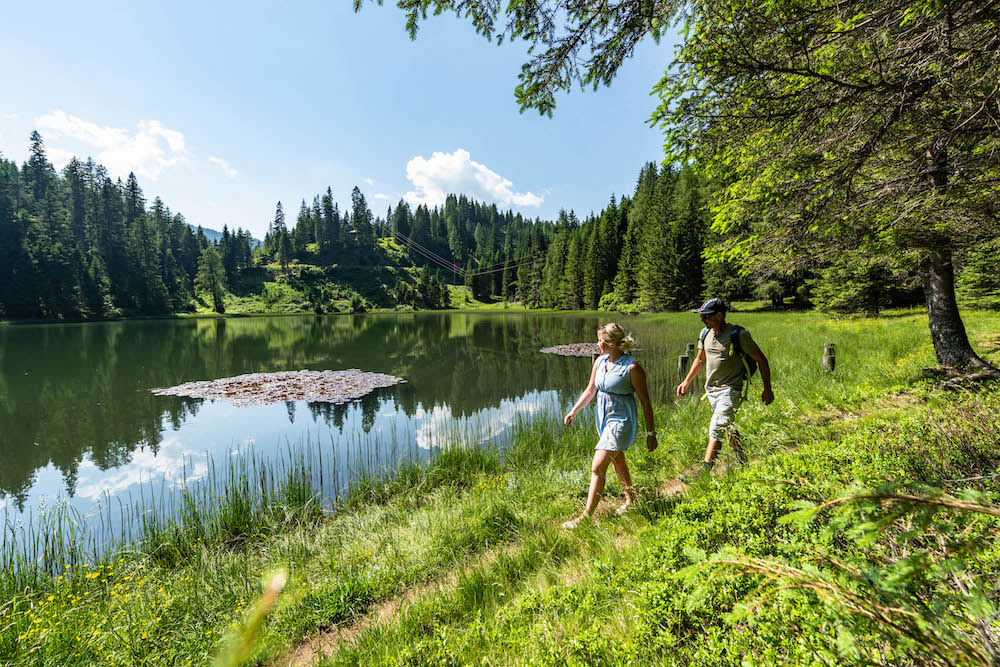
157	580
245	497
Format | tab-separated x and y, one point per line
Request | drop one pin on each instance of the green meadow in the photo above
863	531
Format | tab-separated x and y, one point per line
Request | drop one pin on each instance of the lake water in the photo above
78	421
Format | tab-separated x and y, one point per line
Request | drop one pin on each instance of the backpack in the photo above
749	365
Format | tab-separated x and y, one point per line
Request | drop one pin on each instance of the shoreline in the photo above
379	311
468	555
749	307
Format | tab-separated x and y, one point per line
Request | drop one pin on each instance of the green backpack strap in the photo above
734	345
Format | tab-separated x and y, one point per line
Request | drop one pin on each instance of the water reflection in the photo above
77	417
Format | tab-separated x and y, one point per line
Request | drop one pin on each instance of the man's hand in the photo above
568	419
767	396
651	442
682	389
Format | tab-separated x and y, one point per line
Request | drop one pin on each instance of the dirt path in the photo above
328	642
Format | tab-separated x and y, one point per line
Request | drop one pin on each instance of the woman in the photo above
615	379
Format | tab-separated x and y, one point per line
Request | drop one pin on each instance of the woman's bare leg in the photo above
598	471
624	476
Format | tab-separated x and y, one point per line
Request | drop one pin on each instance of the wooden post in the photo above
829	357
690	350
682	367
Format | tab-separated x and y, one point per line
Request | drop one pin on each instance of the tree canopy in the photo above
830	127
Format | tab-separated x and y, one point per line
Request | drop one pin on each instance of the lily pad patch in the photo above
573	350
335	387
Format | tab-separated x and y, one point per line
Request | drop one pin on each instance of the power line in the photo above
456	268
431	255
427	251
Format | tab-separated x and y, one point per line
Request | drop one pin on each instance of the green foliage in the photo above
469	540
211	277
979	280
760	95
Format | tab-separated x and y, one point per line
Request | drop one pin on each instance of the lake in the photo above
78	421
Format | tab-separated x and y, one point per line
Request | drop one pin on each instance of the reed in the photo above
160	578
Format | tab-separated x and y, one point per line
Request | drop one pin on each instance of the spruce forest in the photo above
80	245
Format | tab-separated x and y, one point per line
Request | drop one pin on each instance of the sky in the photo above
223	109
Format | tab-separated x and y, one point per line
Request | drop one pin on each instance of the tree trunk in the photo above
951	343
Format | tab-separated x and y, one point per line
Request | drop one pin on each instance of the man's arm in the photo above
765	373
699	363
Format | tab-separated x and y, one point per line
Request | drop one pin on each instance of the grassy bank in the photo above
468	553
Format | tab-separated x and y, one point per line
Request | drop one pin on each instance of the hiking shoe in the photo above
703	469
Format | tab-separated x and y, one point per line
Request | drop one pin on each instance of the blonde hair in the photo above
613	334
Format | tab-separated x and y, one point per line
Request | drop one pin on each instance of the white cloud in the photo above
446	173
148	152
11	116
369	181
380	195
58	157
226	167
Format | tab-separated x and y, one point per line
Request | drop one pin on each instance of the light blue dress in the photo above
617	417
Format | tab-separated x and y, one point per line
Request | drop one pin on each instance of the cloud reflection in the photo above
173	463
440	427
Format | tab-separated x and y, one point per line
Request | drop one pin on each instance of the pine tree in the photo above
979	280
554	273
325	231
401	219
572	298
211	277
274	233
284	250
656	284
361	218
301	232
688	228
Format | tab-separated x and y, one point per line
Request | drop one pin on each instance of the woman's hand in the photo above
568	419
651	442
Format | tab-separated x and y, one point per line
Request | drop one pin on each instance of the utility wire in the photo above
427	252
433	257
456	268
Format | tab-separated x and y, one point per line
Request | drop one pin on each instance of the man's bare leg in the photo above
712	450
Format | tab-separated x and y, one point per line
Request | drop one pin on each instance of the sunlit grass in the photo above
186	576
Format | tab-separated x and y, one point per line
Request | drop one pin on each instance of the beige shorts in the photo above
725	401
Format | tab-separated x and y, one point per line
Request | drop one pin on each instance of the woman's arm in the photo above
638	376
587	395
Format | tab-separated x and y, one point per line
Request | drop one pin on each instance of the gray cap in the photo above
711	307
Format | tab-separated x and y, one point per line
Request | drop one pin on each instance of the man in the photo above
719	348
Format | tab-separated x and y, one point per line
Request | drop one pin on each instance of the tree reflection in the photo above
68	391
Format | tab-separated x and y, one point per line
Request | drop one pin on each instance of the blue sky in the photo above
222	109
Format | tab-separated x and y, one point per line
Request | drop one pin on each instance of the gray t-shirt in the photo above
723	367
